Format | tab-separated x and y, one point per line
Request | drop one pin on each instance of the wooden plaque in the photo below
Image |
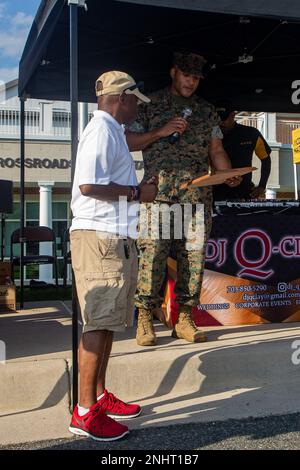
218	177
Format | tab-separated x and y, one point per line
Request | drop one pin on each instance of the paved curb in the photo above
34	385
35	400
240	372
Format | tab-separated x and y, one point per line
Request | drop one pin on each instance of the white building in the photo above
48	160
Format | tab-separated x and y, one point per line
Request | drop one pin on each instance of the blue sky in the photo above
16	17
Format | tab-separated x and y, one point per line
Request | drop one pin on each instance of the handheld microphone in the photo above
186	112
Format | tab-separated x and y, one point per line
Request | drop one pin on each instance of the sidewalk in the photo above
240	372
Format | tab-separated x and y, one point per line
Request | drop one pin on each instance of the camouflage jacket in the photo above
186	159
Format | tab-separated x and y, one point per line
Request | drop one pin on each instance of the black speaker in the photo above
6	197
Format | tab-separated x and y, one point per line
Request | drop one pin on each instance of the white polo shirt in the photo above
103	157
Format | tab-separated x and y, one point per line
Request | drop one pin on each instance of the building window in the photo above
12	223
60	222
32	248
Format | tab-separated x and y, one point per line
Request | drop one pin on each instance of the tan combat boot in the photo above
186	329
145	335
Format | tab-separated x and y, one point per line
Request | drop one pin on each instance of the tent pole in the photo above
74	143
22	197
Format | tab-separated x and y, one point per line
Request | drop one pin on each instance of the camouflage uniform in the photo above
175	164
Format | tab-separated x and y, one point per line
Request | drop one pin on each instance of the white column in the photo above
270	124
46	112
45	219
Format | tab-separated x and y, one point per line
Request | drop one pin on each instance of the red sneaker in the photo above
116	408
97	425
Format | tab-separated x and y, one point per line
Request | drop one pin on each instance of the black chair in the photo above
34	234
66	255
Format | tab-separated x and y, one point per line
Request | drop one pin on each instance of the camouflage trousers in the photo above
157	242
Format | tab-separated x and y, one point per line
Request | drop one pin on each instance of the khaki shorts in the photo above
105	279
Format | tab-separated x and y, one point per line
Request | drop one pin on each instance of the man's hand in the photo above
148	190
177	124
141	140
233	182
257	192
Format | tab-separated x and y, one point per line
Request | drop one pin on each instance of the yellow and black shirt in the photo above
240	143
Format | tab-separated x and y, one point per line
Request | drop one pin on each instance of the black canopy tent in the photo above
252	47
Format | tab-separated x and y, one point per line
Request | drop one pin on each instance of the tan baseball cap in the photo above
116	83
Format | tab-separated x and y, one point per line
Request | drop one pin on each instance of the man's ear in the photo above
172	72
122	98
